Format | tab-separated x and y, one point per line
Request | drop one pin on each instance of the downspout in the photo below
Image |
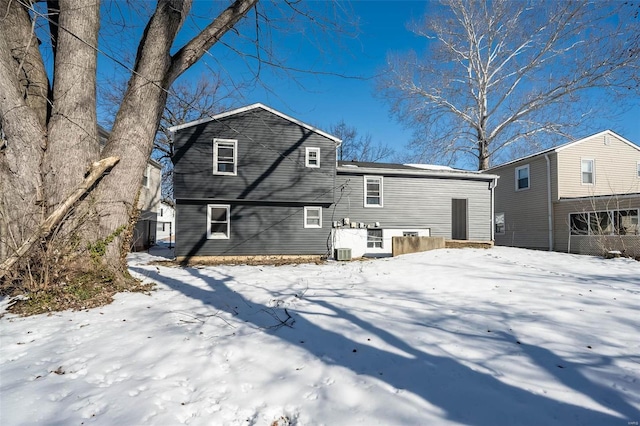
549	206
492	186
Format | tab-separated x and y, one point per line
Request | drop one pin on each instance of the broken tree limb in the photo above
96	170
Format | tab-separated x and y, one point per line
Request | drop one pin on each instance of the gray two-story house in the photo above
256	182
252	181
580	197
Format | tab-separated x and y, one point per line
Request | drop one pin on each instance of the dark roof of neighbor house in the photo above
564	146
220	116
422	170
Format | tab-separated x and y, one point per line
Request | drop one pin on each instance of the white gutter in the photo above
549	206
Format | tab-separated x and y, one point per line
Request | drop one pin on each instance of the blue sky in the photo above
323	99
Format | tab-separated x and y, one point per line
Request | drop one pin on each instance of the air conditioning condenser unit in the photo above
343	254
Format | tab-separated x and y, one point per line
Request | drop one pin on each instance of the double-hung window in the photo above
587	171
373	191
312	157
218	222
313	217
225	157
638	168
374	238
522	178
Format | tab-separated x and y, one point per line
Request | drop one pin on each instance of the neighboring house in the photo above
581	197
144	233
166	222
254	181
377	202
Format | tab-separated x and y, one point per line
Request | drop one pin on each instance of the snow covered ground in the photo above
478	337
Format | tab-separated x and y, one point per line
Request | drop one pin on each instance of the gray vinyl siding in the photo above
525	211
416	202
615	168
254	230
271	161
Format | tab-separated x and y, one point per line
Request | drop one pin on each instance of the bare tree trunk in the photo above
139	115
21	117
72	132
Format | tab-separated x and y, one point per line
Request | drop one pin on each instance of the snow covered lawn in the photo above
479	337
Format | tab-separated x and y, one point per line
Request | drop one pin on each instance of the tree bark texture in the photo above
22	113
50	144
72	129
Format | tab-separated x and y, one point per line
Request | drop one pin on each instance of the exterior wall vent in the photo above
607	140
343	254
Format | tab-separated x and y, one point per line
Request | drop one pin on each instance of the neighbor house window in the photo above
522	178
586	168
225	155
218	221
313	217
374	238
312	157
373	191
145	176
499	222
614	222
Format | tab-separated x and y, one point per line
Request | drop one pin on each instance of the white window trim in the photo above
381	191
593	171
374	249
211	236
306	210
638	169
306	156
217	141
526	166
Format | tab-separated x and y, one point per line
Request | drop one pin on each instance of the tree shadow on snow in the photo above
466	396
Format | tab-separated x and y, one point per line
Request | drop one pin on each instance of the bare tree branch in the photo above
505	73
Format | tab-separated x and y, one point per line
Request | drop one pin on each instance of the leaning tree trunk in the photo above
138	118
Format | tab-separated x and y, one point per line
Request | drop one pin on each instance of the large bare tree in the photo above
49	123
502	77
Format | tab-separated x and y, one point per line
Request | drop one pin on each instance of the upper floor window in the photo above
638	167
373	191
586	168
313	217
312	157
218	223
522	178
225	157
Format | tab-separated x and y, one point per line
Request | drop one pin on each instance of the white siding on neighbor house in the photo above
166	222
525	211
150	194
615	167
